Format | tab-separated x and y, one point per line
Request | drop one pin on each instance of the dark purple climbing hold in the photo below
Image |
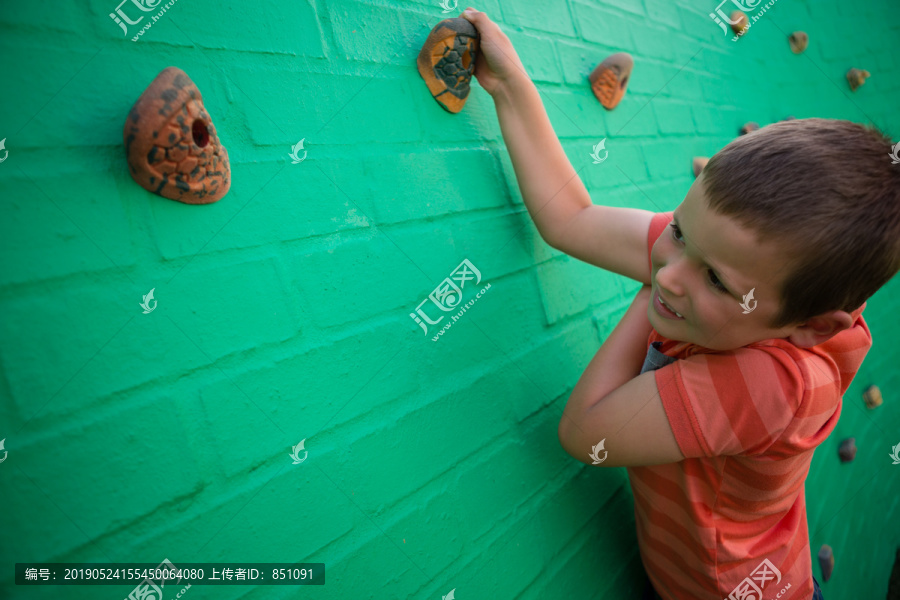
847	450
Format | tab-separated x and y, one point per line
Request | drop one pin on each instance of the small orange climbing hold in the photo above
872	396
698	163
748	127
798	41
739	22
610	79
857	77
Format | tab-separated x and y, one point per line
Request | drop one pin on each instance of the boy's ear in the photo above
820	329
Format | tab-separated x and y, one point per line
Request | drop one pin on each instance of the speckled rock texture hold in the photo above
609	80
171	143
447	62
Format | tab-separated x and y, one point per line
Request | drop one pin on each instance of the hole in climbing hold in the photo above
200	133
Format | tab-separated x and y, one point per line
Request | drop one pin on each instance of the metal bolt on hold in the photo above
847	450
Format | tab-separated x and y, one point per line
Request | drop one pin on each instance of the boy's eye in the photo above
676	233
713	280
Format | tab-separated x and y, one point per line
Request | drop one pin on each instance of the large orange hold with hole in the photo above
171	143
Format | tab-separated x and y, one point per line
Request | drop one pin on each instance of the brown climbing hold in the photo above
798	41
857	77
610	79
748	127
171	143
447	62
872	396
847	450
739	22
826	561
698	163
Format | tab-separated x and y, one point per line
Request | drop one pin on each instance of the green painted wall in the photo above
283	310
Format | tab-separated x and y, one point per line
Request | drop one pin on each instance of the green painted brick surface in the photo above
283	309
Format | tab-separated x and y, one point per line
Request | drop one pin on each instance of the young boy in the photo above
753	299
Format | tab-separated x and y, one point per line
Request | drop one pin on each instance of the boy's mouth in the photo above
663	309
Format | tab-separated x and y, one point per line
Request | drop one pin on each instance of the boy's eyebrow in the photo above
718	271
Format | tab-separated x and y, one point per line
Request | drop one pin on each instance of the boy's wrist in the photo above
512	88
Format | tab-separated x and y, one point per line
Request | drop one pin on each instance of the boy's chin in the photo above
673	330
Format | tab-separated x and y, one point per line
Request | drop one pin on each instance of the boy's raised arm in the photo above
612	238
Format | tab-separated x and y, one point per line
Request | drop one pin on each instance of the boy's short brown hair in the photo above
827	193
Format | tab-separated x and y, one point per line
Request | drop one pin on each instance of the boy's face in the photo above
698	255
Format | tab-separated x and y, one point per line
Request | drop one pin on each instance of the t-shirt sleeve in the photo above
657	226
737	402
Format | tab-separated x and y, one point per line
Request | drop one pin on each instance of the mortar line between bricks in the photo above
321	429
91	540
73	376
213	362
60	90
226	75
34	183
531	218
240	509
371	220
428	577
225	224
660	90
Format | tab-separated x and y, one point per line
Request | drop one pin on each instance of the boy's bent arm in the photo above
613	403
612	238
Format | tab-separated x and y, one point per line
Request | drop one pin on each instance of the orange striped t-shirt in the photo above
747	422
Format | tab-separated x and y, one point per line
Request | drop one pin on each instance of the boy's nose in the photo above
668	279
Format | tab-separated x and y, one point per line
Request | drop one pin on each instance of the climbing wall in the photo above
139	429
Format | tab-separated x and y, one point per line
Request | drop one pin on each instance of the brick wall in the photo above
283	309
